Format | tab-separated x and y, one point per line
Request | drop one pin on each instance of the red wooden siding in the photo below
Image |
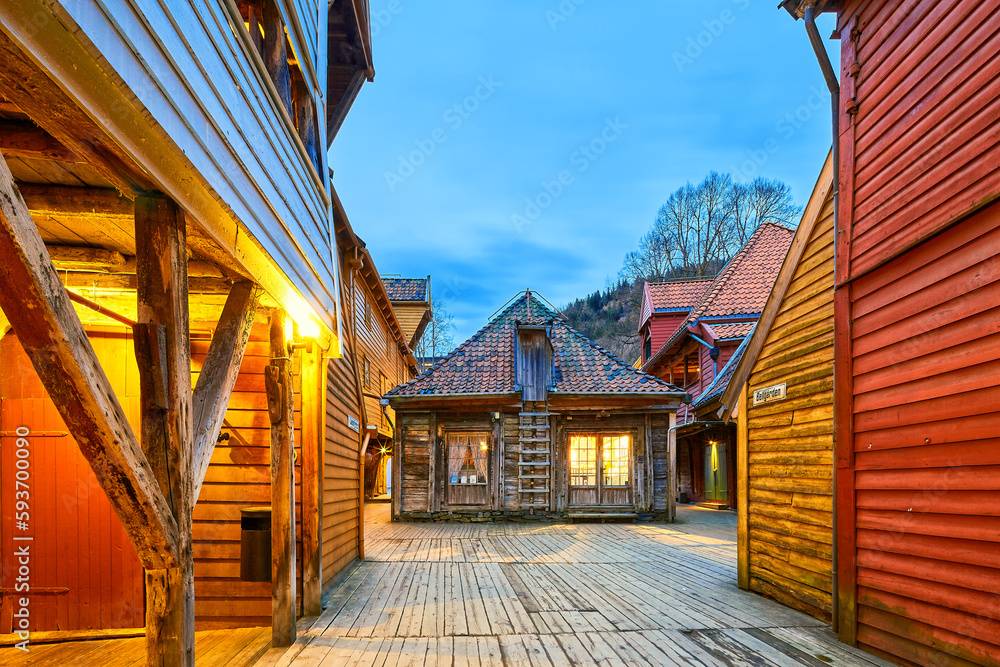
926	374
663	325
82	559
925	135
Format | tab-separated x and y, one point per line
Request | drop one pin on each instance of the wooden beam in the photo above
74	258
125	282
276	54
50	332
313	380
28	86
163	351
742	490
672	468
218	374
24	139
280	403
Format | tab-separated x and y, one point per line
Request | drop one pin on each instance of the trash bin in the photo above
255	544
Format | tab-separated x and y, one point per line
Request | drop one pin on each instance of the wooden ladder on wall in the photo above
534	467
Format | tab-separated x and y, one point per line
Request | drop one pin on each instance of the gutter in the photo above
834	86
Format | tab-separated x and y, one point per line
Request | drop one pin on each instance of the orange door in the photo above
84	571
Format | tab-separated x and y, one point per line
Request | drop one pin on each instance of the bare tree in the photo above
700	227
438	339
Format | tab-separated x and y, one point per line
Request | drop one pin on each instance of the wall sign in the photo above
768	394
353	424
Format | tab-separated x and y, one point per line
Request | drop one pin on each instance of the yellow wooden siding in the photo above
409	316
791	441
376	345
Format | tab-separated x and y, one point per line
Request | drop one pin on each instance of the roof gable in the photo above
822	195
742	287
485	363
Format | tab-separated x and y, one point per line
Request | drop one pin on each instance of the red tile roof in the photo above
484	364
686	293
742	287
406	289
730	331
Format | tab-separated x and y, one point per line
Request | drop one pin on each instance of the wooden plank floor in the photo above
213	648
556	594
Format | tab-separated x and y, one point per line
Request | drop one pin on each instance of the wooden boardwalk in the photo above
556	594
213	648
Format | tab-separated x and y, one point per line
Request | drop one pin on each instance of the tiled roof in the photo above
745	283
484	364
742	287
730	331
406	289
715	390
678	293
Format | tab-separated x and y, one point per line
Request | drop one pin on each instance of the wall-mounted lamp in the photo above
301	336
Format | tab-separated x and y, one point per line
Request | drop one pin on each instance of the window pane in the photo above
616	460
467	456
583	460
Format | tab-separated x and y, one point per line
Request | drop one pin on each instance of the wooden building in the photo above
780	397
916	341
530	418
411	299
707	325
173	346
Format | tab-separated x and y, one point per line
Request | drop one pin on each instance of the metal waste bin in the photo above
255	544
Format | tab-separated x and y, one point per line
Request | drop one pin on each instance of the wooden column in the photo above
672	467
280	404
163	351
313	422
742	492
275	53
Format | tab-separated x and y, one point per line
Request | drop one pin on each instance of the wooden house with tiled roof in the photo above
411	299
530	418
700	348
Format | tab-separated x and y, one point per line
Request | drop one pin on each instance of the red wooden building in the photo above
707	321
917	334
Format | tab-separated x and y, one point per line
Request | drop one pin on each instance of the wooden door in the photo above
600	469
85	574
467	456
715	472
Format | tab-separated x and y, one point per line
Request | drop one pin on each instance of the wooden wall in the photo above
83	561
926	357
923	140
419	472
790	442
342	510
239	476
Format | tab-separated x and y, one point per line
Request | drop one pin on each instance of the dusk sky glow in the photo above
525	144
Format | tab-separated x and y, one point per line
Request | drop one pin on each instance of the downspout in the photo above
834	85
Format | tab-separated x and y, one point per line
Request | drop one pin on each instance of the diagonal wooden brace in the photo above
48	328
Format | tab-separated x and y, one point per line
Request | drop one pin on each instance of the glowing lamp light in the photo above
483	446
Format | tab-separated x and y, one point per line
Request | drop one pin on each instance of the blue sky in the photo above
515	144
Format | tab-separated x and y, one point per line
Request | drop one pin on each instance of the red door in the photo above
84	571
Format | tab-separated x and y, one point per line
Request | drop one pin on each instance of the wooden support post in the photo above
47	327
742	492
313	421
218	374
163	351
280	404
275	53
672	468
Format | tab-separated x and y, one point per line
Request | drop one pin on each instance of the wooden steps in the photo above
602	516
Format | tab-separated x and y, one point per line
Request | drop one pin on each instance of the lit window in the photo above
583	460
